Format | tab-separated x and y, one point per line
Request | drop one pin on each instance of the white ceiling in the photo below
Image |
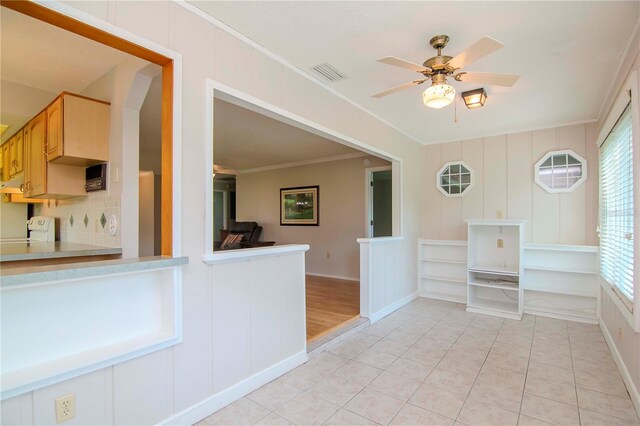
244	140
566	53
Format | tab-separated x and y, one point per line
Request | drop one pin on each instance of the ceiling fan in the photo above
438	68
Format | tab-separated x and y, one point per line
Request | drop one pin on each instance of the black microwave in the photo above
96	177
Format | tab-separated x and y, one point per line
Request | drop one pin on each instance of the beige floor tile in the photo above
274	394
424	356
499	387
326	362
411	415
395	386
606	404
479	413
406	334
549	411
375	406
241	412
307	409
336	389
438	400
591	418
348	349
409	369
391	347
376	358
303	377
274	420
509	357
345	417
551	390
551	355
514	340
358	373
551	372
530	421
608	382
451	381
461	366
201	423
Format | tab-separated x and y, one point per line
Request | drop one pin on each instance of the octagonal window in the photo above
454	179
561	171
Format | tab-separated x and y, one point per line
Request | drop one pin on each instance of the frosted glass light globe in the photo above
438	95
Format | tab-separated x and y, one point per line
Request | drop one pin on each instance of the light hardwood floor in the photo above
330	303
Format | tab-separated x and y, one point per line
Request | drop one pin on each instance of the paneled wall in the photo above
505	188
156	386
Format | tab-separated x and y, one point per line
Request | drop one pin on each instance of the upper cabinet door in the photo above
16	154
55	129
37	171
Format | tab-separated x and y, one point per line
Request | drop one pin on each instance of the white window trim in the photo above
560	152
471	179
628	92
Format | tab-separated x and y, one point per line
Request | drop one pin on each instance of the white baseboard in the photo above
336	277
392	307
445	297
624	372
223	398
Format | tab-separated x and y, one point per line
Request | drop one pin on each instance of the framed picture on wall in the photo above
300	206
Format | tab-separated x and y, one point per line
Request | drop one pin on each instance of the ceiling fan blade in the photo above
478	50
398	88
392	60
492	79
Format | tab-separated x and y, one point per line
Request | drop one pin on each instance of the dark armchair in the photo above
250	232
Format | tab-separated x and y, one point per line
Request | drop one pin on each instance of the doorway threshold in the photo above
335	335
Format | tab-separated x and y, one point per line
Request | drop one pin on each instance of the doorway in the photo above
379	202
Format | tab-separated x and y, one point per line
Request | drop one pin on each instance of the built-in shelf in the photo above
442	269
559	269
555	280
494	258
503	285
457	262
447	279
494	269
460	243
493	307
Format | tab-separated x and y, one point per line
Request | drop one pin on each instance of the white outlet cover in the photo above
113	225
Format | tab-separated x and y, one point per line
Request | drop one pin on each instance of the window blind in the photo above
616	207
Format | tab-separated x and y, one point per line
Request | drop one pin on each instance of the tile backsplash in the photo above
85	220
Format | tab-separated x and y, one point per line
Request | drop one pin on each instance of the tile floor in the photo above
433	363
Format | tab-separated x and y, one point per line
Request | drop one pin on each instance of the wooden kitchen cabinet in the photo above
35	179
43	179
6	162
16	153
77	130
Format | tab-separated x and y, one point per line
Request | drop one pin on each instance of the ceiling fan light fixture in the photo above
438	95
474	98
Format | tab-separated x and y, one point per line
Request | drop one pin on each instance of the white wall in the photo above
504	184
342	211
171	380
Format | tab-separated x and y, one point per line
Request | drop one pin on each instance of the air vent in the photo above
328	73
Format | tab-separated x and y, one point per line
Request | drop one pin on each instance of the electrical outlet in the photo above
65	408
500	243
620	333
499	214
328	255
